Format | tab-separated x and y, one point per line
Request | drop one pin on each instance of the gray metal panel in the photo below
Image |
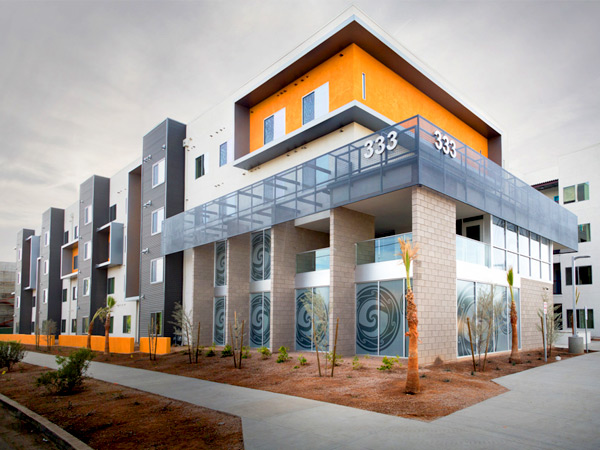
175	168
346	176
241	117
43	278
134	206
34	254
86	192
54	306
116	244
23	313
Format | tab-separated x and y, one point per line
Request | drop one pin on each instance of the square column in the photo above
346	228
286	241
434	274
531	293
238	283
203	292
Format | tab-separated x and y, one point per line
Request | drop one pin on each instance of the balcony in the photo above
69	256
380	250
110	245
312	261
471	251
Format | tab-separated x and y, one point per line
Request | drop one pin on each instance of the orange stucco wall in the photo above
28	339
117	344
386	92
163	345
75	253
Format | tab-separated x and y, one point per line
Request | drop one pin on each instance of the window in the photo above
315	104
156	321
556	198
580	318
87	250
126	324
45	267
274	126
156	270
557	279
18	277
20	254
585	234
158	217
17	302
110	286
46	239
87	215
65	237
63	326
86	287
364	86
158	173
75	232
65	295
75	262
112	322
568	194
220	263
112	213
74	296
73	325
223	154
85	322
33	301
584	275
583	191
200	172
45	296
260	264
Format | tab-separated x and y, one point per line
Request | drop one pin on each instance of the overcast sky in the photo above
82	82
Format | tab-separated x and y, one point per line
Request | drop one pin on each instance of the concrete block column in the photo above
203	292
286	241
434	273
346	227
238	282
531	293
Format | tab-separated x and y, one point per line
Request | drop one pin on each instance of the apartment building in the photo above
289	197
574	187
7	296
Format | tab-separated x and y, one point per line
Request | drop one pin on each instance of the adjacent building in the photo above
7	296
286	202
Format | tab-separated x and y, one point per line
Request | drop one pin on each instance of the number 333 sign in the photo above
379	145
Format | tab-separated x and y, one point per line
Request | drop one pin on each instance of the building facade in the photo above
7	296
283	207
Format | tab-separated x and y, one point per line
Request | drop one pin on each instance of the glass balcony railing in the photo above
471	251
312	260
380	250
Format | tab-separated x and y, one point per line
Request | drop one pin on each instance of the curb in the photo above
57	435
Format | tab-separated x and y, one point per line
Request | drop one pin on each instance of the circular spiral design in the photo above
220	262
303	323
219	321
390	314
366	318
256	320
256	268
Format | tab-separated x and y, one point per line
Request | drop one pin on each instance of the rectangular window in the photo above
110	286
87	250
87	215
223	154
557	279
274	126
584	275
126	324
20	254
364	86
156	270
73	325
86	287
158	217
18	277
314	105
66	237
74	296
63	326
200	169
220	263
75	262
269	129
85	322
17	302
45	295
75	232
156	322
583	191
33	299
556	198
308	108
112	213
260	264
112	322
45	267
46	239
568	194
158	173
65	295
585	233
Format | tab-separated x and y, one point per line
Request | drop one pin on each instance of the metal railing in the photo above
312	260
380	249
471	251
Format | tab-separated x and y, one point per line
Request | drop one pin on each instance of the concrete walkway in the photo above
556	406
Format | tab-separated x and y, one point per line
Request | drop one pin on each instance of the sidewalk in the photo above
547	407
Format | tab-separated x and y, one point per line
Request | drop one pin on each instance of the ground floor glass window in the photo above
219	321
312	303
260	319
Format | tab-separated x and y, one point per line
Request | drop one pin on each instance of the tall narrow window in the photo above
223	154
110	286
583	191
66	237
74	295
221	263
308	108
315	104
200	170
63	325
75	232
46	239
86	287
269	129
73	325
156	322
158	173
585	234
45	296
364	86
112	213
156	270
87	250
274	126
158	218
46	267
260	268
126	324
65	295
87	215
557	279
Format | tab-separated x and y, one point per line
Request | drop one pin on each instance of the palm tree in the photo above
102	314
409	253
515	356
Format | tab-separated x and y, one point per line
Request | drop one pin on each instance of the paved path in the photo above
556	406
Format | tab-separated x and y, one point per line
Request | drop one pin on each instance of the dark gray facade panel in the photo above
22	321
57	224
134	206
173	289
175	168
242	131
344	176
86	192
100	207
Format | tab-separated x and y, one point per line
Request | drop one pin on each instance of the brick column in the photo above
346	227
434	273
531	301
286	241
203	292
238	282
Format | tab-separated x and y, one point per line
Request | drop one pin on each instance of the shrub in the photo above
388	363
264	352
246	352
70	373
211	351
338	358
302	360
356	363
227	351
283	355
11	352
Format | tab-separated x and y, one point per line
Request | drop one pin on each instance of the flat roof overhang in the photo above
355	30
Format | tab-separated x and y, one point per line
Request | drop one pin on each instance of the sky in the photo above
83	81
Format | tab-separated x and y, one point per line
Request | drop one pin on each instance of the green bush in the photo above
302	360
356	363
338	358
264	352
11	352
283	355
227	351
246	352
388	363
211	351
70	374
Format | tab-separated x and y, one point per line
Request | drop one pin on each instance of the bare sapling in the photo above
337	323
471	342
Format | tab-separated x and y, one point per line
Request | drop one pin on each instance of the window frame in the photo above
46	239
222	147
87	250
581	229
154	273
86	283
313	93
127	324
160	175
87	215
45	296
110	283
159	225
200	166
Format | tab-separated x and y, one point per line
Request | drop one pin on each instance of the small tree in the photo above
110	304
318	314
553	321
70	373
485	324
49	330
11	352
409	254
184	327
515	356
